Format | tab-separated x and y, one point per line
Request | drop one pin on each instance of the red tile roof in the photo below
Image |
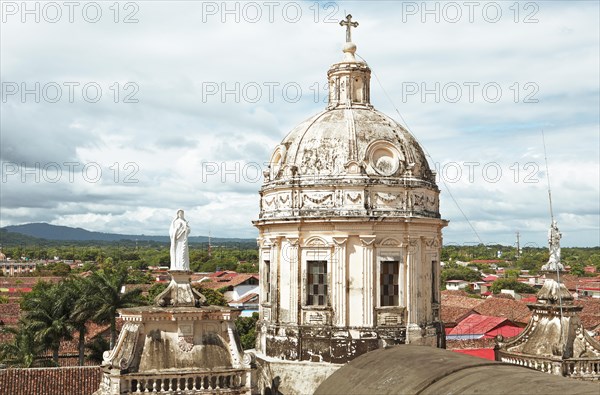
51	381
590	315
10	313
477	324
226	279
505	308
452	315
459	299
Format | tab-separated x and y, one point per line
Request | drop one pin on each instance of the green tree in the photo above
96	348
155	290
103	297
457	272
577	269
79	317
247	267
213	297
512	283
23	350
246	329
47	315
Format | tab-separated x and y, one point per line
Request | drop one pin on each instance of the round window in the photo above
384	161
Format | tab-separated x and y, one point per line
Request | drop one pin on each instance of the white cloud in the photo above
177	52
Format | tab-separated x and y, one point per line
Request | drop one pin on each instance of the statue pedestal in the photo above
177	350
178	347
180	293
552	274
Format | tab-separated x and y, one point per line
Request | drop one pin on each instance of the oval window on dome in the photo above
384	161
384	158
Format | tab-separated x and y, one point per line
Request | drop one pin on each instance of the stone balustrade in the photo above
541	364
582	368
576	367
224	382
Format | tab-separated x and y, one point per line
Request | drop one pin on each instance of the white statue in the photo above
179	231
554	246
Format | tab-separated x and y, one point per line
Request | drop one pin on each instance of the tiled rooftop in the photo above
50	381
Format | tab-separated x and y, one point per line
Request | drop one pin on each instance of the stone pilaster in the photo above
292	252
412	262
275	270
368	270
338	281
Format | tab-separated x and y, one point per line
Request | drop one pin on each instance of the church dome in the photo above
350	137
350	160
359	141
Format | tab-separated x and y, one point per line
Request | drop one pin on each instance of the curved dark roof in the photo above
409	369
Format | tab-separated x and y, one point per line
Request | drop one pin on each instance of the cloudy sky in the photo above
113	115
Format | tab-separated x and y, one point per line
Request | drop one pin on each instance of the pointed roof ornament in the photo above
349	48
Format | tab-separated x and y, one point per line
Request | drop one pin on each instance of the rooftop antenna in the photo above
547	176
209	245
518	245
552	218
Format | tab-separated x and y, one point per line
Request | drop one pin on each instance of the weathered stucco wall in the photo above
291	377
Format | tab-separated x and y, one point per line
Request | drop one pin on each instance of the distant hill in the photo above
66	233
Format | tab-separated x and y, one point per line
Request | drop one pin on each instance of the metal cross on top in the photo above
349	24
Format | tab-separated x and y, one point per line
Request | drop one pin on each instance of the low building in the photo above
12	268
455	285
589	289
235	286
477	326
248	304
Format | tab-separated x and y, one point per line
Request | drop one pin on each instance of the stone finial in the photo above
552	292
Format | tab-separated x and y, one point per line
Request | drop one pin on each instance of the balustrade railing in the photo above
552	367
223	382
582	368
576	367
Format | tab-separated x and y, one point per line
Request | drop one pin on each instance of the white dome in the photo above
339	142
349	160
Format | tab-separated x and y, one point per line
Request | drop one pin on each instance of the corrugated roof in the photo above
476	324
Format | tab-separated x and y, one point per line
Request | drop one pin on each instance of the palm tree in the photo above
23	351
47	312
77	287
103	297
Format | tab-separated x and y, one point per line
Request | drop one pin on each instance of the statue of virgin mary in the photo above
178	232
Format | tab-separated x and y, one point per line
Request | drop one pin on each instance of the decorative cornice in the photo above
367	240
340	240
